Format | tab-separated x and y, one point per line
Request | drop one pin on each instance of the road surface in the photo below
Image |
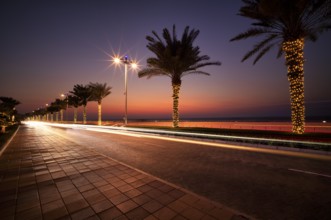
263	184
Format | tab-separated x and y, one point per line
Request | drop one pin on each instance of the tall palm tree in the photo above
286	25
98	92
83	92
175	58
74	101
62	105
54	108
7	107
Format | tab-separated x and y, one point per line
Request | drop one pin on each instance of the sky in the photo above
46	47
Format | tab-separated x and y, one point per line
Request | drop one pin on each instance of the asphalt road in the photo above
264	185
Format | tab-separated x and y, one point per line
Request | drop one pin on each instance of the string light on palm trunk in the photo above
294	62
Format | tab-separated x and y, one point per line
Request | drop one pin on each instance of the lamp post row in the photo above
117	60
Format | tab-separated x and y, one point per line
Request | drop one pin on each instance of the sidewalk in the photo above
43	176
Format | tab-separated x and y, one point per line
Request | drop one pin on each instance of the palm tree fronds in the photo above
261	54
280	52
250	33
200	65
259	46
99	91
196	72
150	72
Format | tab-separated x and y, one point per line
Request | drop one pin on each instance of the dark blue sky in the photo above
46	47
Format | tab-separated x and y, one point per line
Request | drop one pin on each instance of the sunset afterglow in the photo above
44	54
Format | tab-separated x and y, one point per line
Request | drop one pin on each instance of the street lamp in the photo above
66	98
46	111
133	65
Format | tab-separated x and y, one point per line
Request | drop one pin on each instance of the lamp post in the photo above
133	64
46	111
66	98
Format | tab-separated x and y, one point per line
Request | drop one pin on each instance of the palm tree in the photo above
54	107
74	101
98	92
175	58
7	107
287	24
83	93
62	105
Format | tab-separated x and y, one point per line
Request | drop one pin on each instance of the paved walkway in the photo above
43	176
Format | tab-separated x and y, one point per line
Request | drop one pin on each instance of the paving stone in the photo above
138	213
76	205
145	188
165	214
118	199
111	193
150	217
102	206
31	213
111	213
127	206
178	206
83	214
152	206
142	199
106	187
176	193
85	188
133	193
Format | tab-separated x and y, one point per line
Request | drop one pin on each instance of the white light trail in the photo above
153	134
310	173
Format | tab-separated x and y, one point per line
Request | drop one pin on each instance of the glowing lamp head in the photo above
134	65
117	60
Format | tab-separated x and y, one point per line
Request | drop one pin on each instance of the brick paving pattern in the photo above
44	176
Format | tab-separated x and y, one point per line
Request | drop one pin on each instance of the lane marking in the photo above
309	172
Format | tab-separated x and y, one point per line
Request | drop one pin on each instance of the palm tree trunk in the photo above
84	114
61	114
294	62
75	115
52	117
57	116
99	113
175	113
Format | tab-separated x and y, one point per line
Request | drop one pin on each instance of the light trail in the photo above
114	132
310	173
128	132
186	134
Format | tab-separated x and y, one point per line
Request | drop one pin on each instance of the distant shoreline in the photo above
225	119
